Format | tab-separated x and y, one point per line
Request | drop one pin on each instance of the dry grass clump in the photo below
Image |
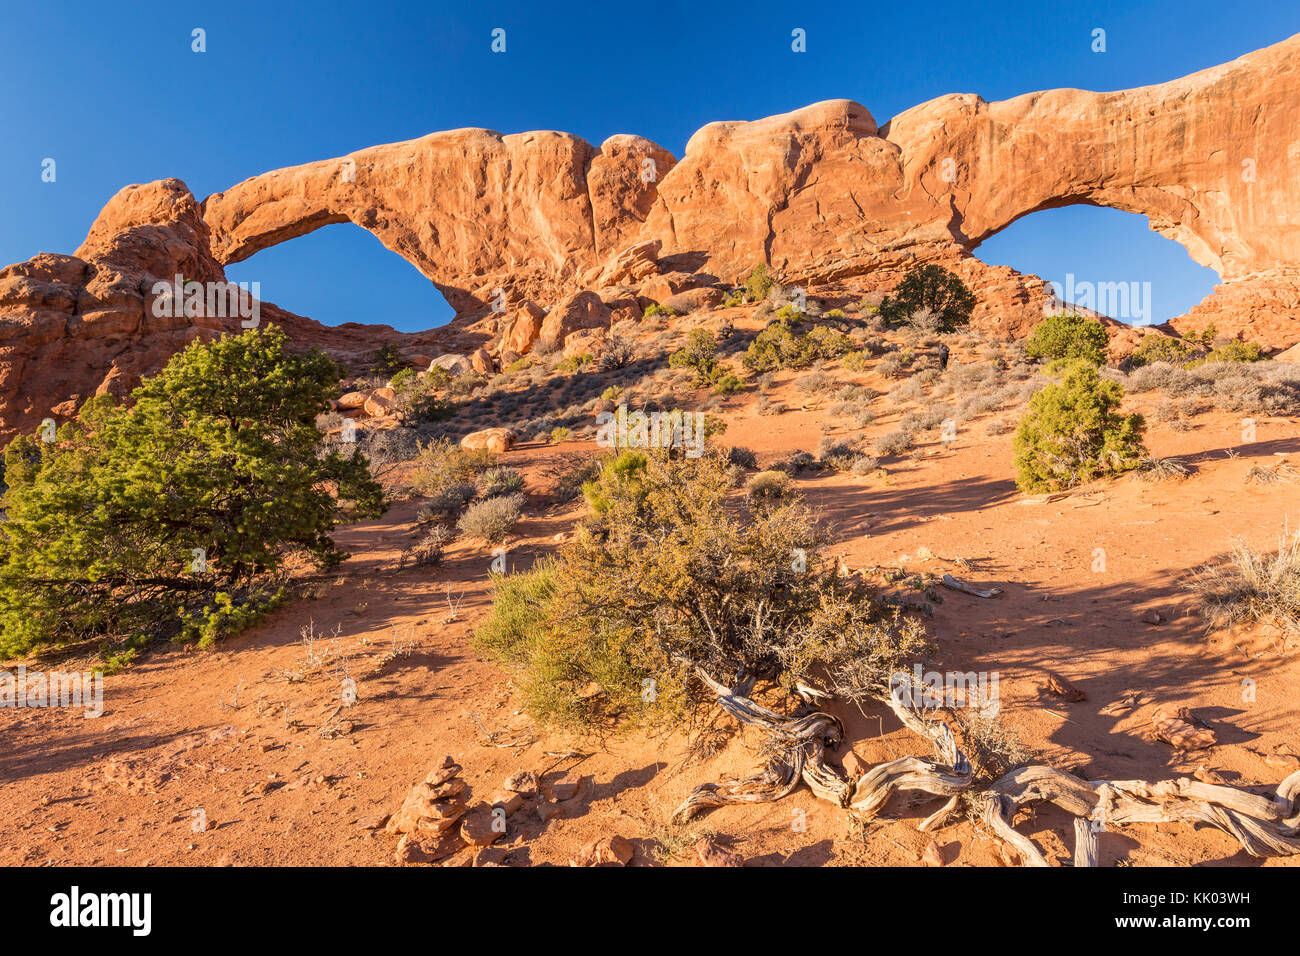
1253	587
893	443
427	550
491	520
1151	468
496	482
441	464
1282	471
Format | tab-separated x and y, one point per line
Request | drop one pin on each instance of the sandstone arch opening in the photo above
342	273
1103	259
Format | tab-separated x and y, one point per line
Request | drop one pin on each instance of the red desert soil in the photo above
224	732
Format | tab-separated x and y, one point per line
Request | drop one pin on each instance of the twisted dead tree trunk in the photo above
796	749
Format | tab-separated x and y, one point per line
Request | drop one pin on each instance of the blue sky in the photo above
113	93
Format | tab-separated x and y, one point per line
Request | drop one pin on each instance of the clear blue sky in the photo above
114	94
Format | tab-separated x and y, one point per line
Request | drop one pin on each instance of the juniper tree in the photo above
173	514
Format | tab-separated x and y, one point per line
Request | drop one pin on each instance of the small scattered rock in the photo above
854	766
1153	617
1206	775
1058	685
567	787
607	851
1174	725
491	856
932	855
711	854
373	822
481	827
522	781
1282	761
507	800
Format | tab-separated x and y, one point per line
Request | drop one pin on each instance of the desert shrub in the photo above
799	461
427	550
768	485
862	417
573	362
619	475
777	346
387	359
893	443
1074	432
491	520
680	581
618	352
174	517
999	426
857	361
415	399
442	463
447	501
1237	351
496	482
1068	337
759	283
864	465
521	364
742	457
655	309
729	384
893	365
1157	376
827	343
571	478
813	382
698	357
558	434
838	456
1253	587
1162	348
941	295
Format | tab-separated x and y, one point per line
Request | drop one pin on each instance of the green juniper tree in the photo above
174	514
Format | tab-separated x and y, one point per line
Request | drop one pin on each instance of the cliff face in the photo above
822	194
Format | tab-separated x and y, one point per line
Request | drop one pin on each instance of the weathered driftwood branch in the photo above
1085	842
796	752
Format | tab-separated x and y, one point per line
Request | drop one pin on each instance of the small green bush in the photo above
1237	351
1155	347
573	362
729	384
619	474
697	356
1068	337
1073	432
656	309
759	283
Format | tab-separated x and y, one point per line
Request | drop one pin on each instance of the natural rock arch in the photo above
823	193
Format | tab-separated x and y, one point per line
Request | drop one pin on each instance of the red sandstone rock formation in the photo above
821	194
